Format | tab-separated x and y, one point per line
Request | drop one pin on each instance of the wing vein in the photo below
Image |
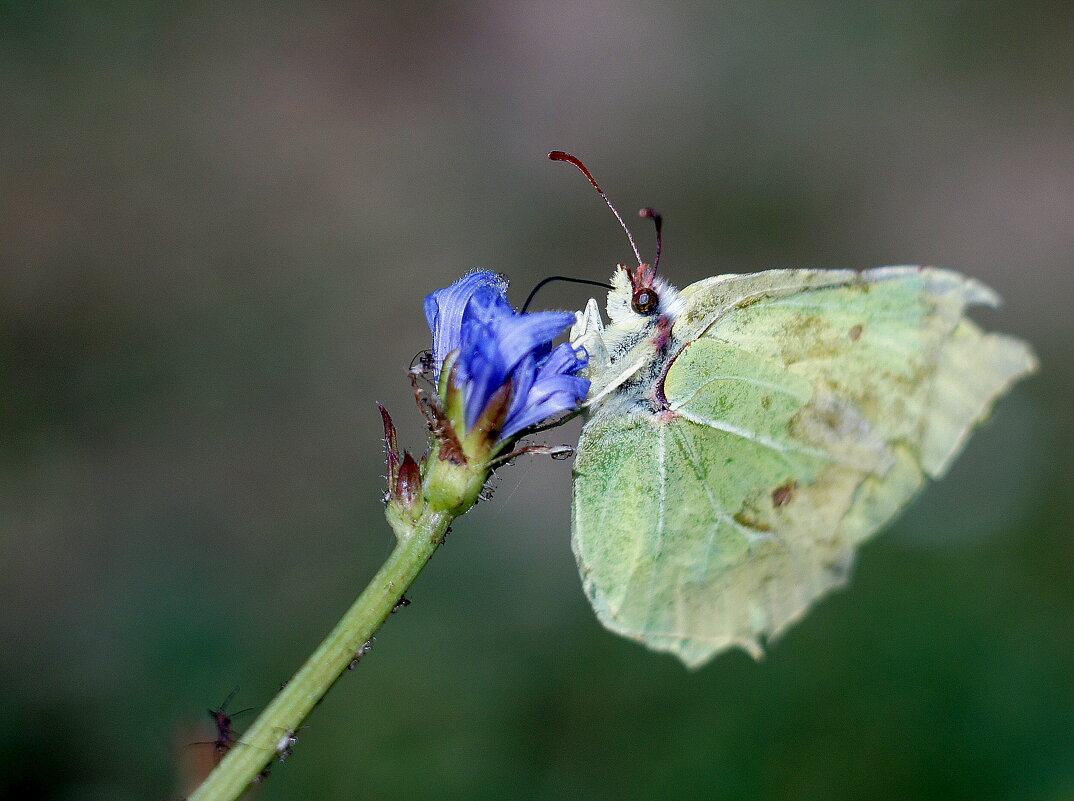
640	541
743	379
661	518
717	509
765	442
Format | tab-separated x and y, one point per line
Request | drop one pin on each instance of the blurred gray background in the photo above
217	226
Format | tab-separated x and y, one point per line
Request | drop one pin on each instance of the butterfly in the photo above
745	434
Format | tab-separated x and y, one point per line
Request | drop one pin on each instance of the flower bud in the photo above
404	498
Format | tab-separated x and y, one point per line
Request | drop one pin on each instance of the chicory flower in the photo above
501	362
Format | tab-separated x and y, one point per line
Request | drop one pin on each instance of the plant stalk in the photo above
269	737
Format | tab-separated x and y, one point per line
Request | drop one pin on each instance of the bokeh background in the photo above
217	226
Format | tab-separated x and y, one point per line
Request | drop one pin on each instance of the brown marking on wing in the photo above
784	494
746	518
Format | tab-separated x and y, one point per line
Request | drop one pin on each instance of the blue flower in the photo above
509	375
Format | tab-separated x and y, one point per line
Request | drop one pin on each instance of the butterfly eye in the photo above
645	301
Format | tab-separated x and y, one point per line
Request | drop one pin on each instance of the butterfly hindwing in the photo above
804	410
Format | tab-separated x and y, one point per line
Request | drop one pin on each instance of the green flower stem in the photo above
417	542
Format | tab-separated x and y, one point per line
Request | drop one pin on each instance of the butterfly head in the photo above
638	298
644	296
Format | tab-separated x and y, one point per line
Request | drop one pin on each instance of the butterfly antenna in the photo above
659	221
559	155
552	278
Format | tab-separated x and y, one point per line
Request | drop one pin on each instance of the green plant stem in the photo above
264	741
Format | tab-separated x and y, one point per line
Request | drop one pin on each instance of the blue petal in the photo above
526	333
565	359
523	378
555	394
488	304
445	309
481	368
555	389
508	345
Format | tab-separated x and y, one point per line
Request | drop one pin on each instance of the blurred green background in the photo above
217	226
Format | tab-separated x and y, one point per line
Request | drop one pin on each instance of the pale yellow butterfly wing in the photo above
806	407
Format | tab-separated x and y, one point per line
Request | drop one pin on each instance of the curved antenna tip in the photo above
560	155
